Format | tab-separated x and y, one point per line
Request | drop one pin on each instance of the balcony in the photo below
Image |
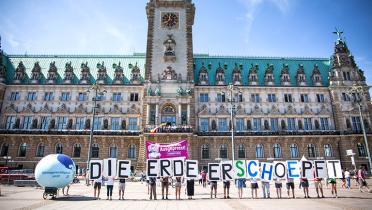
168	129
71	132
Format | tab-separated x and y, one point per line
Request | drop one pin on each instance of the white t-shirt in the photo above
110	180
347	174
254	180
278	180
99	180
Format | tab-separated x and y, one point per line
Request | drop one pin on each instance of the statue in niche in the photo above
169	74
188	91
180	91
169	46
149	91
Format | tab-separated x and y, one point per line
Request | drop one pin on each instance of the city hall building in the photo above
282	108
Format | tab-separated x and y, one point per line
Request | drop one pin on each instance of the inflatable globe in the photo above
55	170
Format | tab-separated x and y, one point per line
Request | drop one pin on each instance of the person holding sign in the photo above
178	188
240	184
97	187
121	188
278	187
318	184
190	188
254	187
226	189
333	183
304	183
290	185
152	183
164	187
110	187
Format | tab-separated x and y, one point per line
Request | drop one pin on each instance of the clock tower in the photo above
169	55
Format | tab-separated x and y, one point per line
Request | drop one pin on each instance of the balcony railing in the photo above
71	132
168	129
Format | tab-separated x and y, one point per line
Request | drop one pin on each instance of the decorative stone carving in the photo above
118	74
316	77
269	75
19	73
102	73
135	77
236	75
220	75
169	74
52	73
301	76
291	110
169	49
35	74
253	78
203	75
85	74
69	73
284	76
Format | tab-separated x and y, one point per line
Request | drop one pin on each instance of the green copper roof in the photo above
246	62
210	62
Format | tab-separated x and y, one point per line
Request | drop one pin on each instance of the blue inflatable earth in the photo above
55	170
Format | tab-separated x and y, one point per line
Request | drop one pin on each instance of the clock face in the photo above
169	20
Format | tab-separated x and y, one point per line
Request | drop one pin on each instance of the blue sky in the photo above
293	28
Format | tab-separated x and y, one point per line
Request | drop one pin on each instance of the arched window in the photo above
4	149
40	150
205	151
223	151
113	152
241	151
259	151
95	151
77	150
327	150
311	150
59	148
132	151
22	150
277	151
294	150
361	150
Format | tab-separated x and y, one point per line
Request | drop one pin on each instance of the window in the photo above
22	150
256	124
10	121
355	123
277	151
205	151
204	124
274	124
132	151
259	151
311	150
80	123
239	97
271	97
220	97
27	122
134	97
82	96
45	122
327	150
304	98
4	150
345	97
14	96
95	151
255	97
59	148
317	78
291	124
288	98
203	97
48	96
97	123
40	150
76	150
239	124
346	76
324	125
361	150
223	151
222	124
115	123
31	96
241	151
307	124
320	98
65	96
293	150
113	152
133	124
62	123
116	97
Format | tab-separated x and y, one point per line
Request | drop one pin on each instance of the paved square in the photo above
136	197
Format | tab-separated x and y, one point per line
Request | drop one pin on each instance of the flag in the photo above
154	130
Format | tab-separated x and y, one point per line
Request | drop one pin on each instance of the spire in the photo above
338	33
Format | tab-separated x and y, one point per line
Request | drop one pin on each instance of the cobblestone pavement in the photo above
136	197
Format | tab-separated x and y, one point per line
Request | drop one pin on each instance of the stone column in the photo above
157	114
179	118
148	114
188	114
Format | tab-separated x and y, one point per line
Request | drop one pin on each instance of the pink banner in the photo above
158	151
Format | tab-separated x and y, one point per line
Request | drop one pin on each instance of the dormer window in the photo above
253	75
220	76
317	80
203	75
136	75
346	75
236	75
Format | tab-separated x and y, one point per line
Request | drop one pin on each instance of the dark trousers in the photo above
109	190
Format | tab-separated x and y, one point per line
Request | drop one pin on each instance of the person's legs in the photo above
166	190
280	192
263	190
98	191
95	190
348	182
151	191
215	190
228	191
293	196
162	190
107	191
277	192
268	189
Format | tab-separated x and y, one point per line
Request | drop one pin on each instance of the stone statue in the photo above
157	91
180	91
149	91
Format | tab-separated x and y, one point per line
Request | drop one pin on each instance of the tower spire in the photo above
339	34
